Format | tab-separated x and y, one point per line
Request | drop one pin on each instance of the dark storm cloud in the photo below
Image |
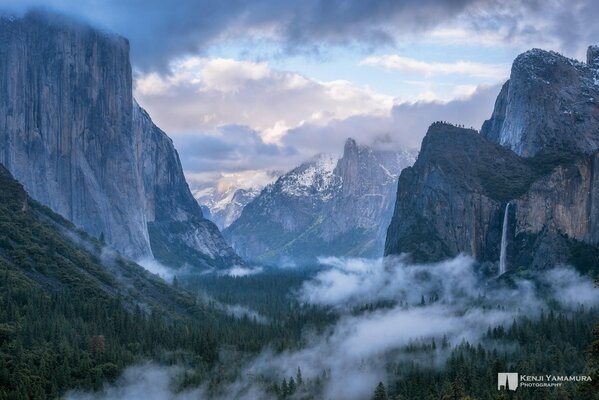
160	30
564	25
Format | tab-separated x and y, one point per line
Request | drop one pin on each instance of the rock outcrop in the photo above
593	56
324	207
538	152
549	104
179	234
453	199
72	134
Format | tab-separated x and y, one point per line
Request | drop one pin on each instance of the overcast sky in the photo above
248	86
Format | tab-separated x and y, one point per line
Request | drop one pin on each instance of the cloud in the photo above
239	311
232	148
161	32
238	117
569	288
224	182
235	310
404	126
157	268
199	94
429	69
228	75
349	282
239	271
237	152
229	117
464	305
146	381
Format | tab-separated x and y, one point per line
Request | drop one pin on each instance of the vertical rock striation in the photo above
72	134
538	151
179	235
65	125
550	104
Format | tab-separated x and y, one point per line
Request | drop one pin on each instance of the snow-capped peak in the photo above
315	175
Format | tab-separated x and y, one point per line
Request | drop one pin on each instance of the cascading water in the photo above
502	254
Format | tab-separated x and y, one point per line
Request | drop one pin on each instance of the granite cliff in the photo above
538	152
72	134
549	104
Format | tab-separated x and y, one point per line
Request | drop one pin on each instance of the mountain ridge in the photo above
325	206
223	208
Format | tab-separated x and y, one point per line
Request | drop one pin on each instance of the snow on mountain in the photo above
325	206
315	175
224	206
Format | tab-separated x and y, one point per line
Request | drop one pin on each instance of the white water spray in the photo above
502	254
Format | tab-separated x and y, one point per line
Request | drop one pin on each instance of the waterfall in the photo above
502	254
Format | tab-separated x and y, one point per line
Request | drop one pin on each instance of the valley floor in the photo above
335	331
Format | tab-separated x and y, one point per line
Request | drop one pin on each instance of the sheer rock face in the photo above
565	200
65	125
167	196
72	134
179	235
453	199
324	207
550	104
443	207
539	151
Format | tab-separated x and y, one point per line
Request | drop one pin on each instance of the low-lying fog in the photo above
417	303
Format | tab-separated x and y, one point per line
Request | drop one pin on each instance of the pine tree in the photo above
284	388
298	377
291	386
380	393
445	342
456	391
501	396
593	363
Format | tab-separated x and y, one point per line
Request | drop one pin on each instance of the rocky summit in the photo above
538	152
72	134
224	207
549	104
324	207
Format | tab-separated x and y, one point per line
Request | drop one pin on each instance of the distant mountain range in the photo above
326	206
538	152
223	208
